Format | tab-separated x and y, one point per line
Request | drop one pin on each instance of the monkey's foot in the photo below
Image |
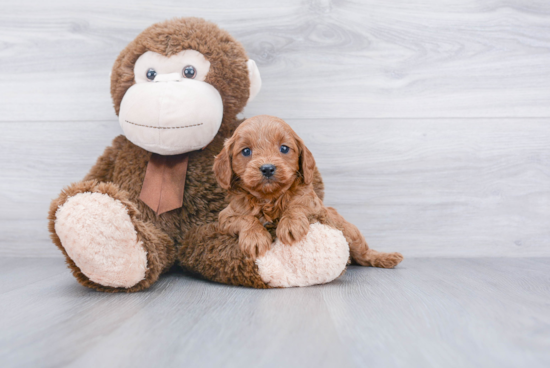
317	259
99	236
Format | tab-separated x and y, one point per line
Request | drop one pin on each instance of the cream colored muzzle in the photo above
171	115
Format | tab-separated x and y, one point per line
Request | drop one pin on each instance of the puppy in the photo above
268	172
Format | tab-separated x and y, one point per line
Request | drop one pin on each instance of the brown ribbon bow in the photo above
164	182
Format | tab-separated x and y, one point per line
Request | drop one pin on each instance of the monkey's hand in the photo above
293	228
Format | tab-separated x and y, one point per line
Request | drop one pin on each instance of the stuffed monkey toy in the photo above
152	199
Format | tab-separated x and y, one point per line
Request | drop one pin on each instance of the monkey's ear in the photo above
307	162
222	166
255	79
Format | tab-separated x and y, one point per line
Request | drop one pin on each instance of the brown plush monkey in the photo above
152	198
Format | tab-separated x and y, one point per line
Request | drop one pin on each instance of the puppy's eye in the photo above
151	74
189	72
246	152
284	149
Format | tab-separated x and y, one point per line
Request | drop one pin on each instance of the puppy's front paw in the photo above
255	242
291	230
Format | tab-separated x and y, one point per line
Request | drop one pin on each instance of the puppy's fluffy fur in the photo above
286	200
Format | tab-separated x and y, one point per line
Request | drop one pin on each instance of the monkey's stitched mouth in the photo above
154	127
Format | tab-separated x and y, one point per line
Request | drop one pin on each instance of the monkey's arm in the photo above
104	167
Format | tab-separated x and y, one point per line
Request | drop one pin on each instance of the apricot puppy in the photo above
268	172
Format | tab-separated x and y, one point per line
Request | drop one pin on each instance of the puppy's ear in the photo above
222	166
307	162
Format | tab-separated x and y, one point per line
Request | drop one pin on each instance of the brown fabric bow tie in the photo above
164	182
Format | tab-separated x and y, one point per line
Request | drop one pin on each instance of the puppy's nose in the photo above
268	170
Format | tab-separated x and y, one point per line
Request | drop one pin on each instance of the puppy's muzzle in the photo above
268	170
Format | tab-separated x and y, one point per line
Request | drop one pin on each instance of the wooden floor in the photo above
431	312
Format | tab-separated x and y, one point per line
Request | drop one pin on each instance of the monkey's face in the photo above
177	82
171	109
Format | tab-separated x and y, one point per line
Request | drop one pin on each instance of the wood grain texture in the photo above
335	59
426	313
436	187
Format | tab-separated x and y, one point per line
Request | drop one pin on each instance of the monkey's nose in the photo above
268	170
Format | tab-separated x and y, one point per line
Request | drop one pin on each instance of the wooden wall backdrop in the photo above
429	119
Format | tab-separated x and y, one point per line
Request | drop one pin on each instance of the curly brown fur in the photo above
283	195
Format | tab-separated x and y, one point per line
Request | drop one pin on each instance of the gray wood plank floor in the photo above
492	312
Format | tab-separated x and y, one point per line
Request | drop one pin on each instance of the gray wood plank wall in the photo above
430	120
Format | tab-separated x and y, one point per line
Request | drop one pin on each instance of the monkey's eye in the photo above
151	74
246	152
284	149
189	72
